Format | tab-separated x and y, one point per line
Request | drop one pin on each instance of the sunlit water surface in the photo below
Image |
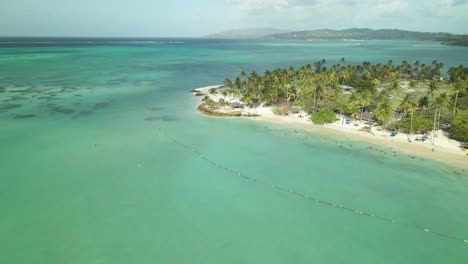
104	159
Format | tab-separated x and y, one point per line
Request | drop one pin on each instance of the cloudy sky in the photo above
192	18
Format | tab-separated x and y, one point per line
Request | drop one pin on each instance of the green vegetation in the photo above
410	96
213	91
460	126
384	111
323	116
457	42
209	102
415	122
282	110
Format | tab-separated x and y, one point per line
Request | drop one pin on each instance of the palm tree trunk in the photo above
433	130
276	95
455	104
360	118
411	126
315	99
438	119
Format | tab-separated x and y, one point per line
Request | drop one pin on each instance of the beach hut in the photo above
368	116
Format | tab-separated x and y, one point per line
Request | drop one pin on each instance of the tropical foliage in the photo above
460	126
323	116
318	89
415	122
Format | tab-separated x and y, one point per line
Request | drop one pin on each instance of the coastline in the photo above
443	150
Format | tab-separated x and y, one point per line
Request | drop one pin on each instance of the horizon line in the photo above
247	28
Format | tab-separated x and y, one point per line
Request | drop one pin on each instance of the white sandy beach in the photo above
443	150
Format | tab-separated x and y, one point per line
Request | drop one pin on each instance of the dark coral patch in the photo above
100	105
24	116
6	107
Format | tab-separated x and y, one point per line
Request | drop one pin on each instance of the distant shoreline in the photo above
444	150
358	34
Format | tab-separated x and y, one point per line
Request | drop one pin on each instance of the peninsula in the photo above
411	107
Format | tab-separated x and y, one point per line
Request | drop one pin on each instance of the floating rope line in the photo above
306	196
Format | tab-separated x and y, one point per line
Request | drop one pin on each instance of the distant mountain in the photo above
371	34
250	33
362	34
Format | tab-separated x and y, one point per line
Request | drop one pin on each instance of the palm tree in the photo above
408	105
345	74
439	103
228	84
317	66
360	100
458	87
375	84
365	101
416	68
384	111
249	99
432	89
290	84
243	74
409	102
423	102
352	108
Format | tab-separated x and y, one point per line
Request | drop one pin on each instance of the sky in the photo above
194	18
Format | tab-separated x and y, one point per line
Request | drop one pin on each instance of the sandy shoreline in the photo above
443	150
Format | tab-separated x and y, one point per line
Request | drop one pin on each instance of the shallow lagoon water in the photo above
93	177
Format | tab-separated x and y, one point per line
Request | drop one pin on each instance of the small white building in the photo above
347	89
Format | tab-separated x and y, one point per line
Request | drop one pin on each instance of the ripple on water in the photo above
23	91
60	109
165	118
15	98
6	107
156	108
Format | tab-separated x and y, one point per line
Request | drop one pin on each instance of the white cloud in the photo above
278	5
459	2
350	6
391	7
430	15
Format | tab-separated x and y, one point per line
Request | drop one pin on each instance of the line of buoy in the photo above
302	195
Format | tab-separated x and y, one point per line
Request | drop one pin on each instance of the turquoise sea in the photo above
103	159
